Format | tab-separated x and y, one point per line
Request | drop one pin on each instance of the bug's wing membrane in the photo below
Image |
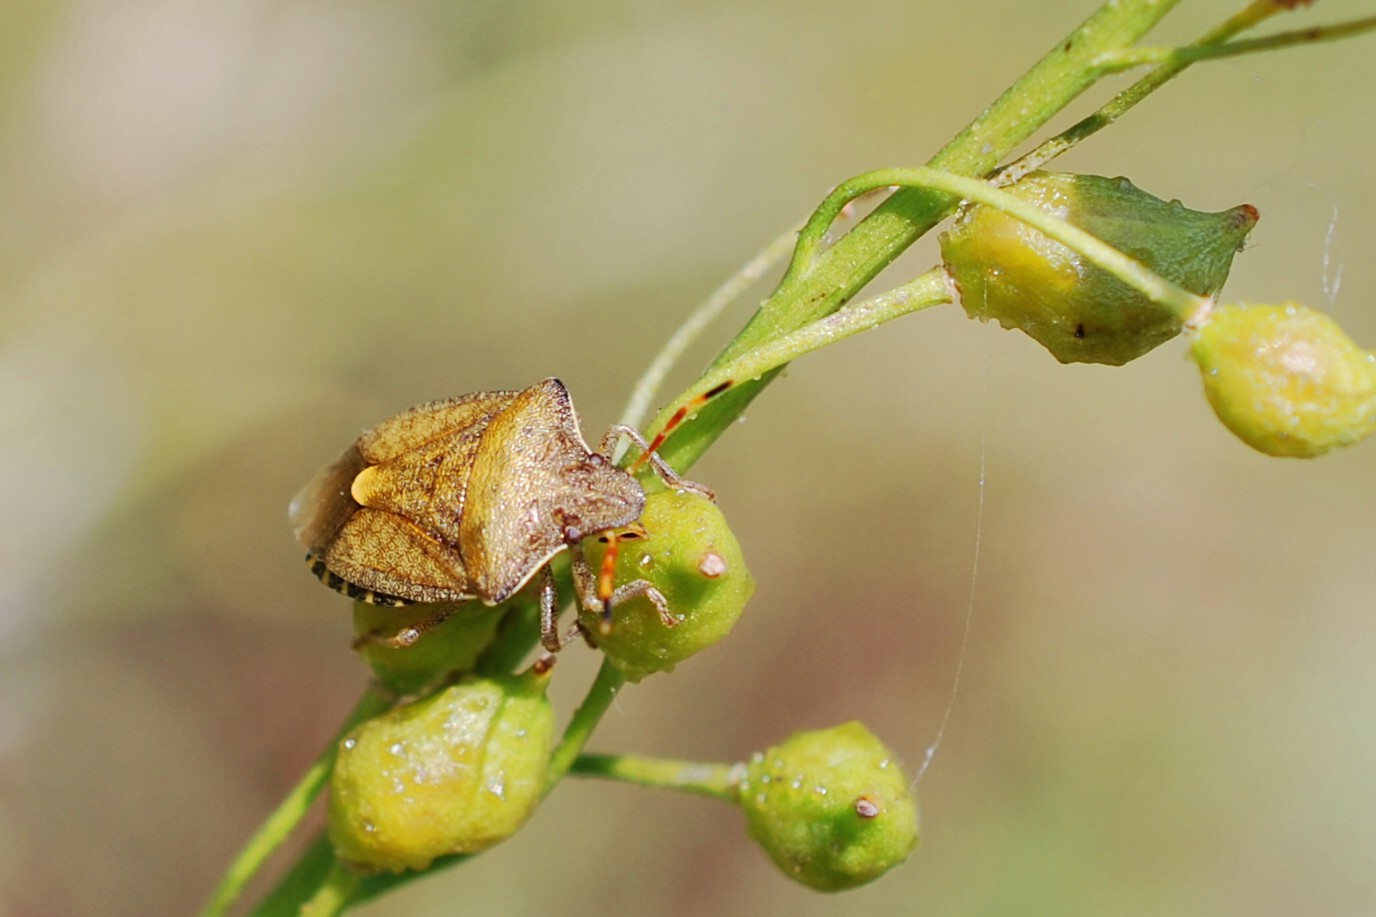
411	429
419	569
320	509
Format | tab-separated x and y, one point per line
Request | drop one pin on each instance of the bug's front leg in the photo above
584	580
667	475
636	588
586	583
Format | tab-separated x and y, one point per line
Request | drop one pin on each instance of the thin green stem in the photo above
585	719
929	289
1128	58
283	820
335	893
298	886
719	781
923	292
643	396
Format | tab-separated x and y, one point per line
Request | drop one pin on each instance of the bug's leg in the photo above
649	452
595	590
640	587
408	635
549	612
577	631
584	583
584	580
591	589
661	467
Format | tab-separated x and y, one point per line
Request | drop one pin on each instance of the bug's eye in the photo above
623	535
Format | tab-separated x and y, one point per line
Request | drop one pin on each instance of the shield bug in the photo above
470	498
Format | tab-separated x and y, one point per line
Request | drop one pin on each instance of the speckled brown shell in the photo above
460	499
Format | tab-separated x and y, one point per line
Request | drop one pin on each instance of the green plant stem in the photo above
1177	57
841	271
305	879
719	781
279	825
929	289
643	396
599	699
335	893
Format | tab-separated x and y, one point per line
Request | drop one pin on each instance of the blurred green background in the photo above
234	234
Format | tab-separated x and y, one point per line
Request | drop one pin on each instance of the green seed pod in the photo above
1007	270
454	773
689	555
1286	379
437	650
830	807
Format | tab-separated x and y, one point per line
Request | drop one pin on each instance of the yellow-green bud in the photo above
424	651
830	807
454	773
1286	379
1007	270
690	555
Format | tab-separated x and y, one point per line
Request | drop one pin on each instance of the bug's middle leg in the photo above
549	612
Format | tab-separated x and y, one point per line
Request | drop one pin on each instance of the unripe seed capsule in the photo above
691	557
454	773
412	647
1286	379
830	807
1008	271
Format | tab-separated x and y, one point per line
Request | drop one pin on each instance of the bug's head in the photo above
598	496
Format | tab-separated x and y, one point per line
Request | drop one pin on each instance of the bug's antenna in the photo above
679	416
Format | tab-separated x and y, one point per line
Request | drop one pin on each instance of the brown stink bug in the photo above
470	498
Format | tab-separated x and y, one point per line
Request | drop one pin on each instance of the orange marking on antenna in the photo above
679	416
606	577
